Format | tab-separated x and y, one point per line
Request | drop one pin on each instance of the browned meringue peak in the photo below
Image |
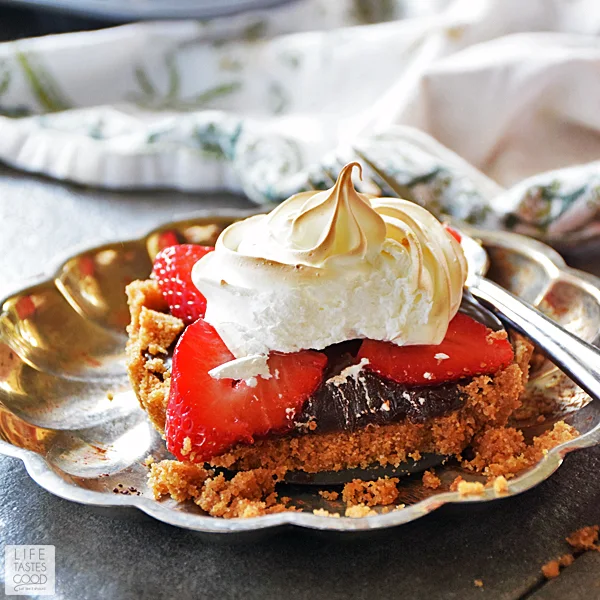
312	228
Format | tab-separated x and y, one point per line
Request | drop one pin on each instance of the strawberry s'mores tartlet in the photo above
328	334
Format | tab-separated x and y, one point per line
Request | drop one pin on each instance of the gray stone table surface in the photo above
503	543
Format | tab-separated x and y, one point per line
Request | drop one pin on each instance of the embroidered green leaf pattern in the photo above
374	11
230	63
4	78
5	81
278	98
408	173
148	96
217	143
214	93
144	82
174	78
255	31
44	87
542	205
291	59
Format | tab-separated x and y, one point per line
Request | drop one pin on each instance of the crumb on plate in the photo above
327	495
552	568
431	480
357	511
471	488
371	493
500	485
246	494
584	538
321	512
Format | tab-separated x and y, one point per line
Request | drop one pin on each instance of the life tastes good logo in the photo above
29	570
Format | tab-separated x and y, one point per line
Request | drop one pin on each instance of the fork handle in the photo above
578	359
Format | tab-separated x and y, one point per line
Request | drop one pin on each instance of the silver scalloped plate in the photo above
62	357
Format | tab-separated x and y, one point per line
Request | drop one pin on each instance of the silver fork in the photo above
578	359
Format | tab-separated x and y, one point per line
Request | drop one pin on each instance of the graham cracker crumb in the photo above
247	494
471	488
329	495
321	512
181	481
431	480
581	541
371	493
359	510
503	451
500	485
494	336
551	569
584	538
478	583
186	447
454	485
566	560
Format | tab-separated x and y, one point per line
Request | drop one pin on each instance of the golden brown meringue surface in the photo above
328	266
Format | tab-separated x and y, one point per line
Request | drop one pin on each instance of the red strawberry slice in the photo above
453	232
173	271
215	414
468	349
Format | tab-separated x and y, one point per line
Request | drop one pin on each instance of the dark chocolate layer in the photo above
347	403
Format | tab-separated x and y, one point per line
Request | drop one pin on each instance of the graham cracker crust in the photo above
490	400
151	332
247	494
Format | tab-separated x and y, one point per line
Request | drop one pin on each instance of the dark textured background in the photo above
504	543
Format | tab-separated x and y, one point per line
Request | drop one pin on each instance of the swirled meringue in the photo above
325	267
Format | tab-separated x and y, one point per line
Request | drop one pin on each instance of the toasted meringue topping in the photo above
325	267
317	229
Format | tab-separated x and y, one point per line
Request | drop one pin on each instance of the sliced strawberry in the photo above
453	232
468	349
173	271
215	414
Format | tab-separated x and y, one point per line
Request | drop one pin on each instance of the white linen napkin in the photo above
272	103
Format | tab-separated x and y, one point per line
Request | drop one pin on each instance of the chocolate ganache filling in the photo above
367	398
351	397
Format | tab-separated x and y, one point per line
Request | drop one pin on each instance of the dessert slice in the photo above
334	337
